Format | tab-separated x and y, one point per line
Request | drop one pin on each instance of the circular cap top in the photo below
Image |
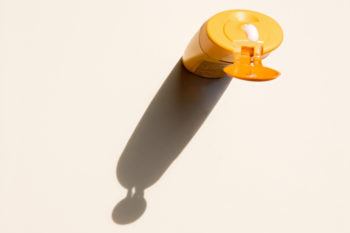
228	26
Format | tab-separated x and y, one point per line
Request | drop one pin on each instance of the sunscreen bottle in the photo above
233	43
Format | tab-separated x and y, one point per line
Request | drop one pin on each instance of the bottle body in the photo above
199	61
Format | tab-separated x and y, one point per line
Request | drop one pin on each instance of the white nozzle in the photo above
251	31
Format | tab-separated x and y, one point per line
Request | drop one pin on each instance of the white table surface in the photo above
76	78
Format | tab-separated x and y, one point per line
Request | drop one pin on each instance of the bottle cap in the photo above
243	37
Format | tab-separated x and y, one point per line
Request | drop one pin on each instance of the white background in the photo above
77	76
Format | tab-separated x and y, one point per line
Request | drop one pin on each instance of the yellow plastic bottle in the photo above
233	43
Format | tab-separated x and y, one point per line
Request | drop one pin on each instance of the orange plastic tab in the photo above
247	62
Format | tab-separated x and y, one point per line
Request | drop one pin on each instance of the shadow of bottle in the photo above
173	117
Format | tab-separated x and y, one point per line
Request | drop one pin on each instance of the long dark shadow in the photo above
171	120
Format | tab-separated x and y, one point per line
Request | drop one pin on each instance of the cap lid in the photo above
247	64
